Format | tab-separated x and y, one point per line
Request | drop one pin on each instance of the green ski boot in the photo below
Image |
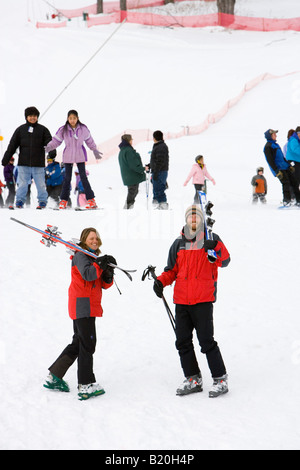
54	383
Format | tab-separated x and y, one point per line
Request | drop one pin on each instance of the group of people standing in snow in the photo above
34	140
284	165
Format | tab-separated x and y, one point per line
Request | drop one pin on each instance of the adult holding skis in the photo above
30	138
75	134
195	277
132	170
159	165
281	168
88	277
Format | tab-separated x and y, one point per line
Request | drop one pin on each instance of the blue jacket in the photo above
53	174
274	155
293	148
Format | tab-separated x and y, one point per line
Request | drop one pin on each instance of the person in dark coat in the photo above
8	172
281	168
132	170
88	277
159	165
30	138
195	274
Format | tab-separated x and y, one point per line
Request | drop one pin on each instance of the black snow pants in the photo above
200	318
82	348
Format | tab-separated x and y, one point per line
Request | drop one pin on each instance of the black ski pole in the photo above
147	272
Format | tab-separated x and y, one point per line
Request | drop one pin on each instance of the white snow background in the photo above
156	78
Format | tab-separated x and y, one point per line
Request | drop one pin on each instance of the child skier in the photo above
54	179
74	133
199	173
8	172
259	184
88	277
81	198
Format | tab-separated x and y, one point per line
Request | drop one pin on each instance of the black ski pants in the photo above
65	193
197	317
82	348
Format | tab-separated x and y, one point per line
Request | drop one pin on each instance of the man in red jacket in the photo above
195	275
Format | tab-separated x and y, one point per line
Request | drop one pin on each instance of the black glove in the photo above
209	245
158	288
104	260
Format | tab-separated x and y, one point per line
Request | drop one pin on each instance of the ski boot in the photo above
219	386
190	385
42	205
63	204
91	204
19	204
90	390
54	383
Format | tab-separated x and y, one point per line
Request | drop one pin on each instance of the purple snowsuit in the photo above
74	139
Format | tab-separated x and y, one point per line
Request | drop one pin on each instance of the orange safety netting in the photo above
200	21
110	146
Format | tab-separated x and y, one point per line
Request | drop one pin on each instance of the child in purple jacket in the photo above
74	133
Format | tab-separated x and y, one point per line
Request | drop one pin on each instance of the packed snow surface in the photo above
154	78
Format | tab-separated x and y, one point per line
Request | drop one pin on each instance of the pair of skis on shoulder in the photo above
51	236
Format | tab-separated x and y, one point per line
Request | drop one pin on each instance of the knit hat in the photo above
194	209
31	111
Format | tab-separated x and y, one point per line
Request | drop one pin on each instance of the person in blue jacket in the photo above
281	168
293	152
54	179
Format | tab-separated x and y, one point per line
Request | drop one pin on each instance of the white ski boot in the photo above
190	385
90	390
219	386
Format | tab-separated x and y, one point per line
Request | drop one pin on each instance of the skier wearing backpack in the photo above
88	277
194	294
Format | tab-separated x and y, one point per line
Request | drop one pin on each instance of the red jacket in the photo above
85	291
195	277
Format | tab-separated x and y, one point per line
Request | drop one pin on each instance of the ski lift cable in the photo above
84	66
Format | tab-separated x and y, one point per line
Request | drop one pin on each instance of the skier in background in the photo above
54	179
74	133
199	173
31	138
159	166
132	170
8	173
281	168
81	198
195	276
259	184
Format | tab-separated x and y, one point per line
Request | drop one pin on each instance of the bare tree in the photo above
226	6
99	6
123	5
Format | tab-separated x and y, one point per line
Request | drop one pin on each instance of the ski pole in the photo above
147	272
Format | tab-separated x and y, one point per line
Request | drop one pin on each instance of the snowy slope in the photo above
256	315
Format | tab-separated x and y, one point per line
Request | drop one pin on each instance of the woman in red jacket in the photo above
88	277
195	290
